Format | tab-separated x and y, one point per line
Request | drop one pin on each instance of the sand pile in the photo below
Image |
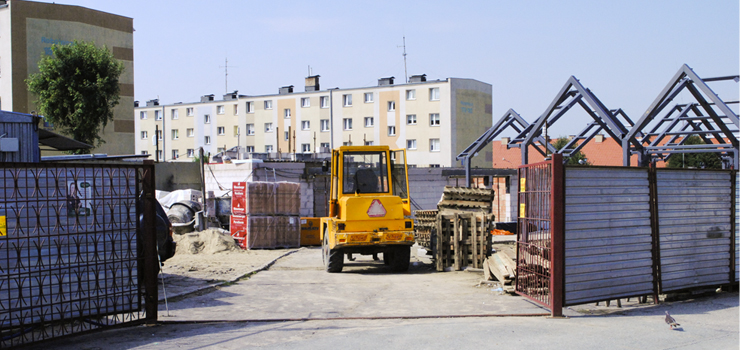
210	241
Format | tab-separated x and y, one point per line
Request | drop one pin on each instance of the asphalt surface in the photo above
296	305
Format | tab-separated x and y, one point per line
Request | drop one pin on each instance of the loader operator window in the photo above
365	172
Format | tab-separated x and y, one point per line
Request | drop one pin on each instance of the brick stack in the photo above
266	214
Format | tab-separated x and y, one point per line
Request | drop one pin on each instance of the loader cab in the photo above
368	171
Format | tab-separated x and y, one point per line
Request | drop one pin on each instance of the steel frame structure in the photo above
709	118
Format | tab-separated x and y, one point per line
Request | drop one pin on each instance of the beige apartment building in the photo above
27	31
433	120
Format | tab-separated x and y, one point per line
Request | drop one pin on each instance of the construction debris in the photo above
501	266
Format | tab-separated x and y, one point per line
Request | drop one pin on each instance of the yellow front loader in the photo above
368	207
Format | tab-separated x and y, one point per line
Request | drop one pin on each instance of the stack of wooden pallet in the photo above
501	266
462	239
425	228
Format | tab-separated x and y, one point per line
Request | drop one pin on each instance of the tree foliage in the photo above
706	160
577	158
77	89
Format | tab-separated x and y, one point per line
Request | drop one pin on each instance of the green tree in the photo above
77	89
577	158
706	160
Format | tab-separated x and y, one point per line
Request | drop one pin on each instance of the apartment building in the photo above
27	31
433	120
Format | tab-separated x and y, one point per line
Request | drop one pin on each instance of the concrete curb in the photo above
214	286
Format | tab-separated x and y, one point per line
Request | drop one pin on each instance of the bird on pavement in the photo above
670	320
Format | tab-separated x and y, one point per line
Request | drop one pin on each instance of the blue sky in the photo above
624	51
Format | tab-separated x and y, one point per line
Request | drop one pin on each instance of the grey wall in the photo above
177	176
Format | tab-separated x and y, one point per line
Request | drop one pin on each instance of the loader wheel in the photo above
333	258
400	258
388	256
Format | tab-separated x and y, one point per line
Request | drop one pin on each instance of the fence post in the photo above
149	243
557	238
655	230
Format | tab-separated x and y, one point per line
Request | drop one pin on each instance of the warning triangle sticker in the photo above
376	209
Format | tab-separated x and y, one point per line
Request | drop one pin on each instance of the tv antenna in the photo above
405	71
226	74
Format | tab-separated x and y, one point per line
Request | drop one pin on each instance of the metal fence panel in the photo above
608	241
737	227
695	225
70	253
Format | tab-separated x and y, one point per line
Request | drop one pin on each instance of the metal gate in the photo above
540	234
608	234
73	254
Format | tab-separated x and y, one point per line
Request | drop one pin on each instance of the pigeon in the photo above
670	320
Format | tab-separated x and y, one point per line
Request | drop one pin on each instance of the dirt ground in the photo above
209	259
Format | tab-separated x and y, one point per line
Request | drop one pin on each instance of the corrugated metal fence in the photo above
608	236
636	231
73	254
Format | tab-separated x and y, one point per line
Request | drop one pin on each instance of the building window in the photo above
221	130
236	109
236	130
160	154
157	115
220	109
190	132
305	102
347	143
191	153
434	119
305	147
305	125
207	119
411	119
268	148
434	94
221	150
286	113
368	97
411	144
391	106
434	165
175	154
268	127
286	135
324	101
324	124
369	143
369	122
144	152
144	135
250	107
268	104
174	114
207	140
325	147
433	145
250	129
347	123
159	134
189	111
410	94
175	134
250	149
347	100
142	115
391	131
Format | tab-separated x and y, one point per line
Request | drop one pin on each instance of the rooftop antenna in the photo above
226	75
405	71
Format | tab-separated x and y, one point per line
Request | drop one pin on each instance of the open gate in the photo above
540	233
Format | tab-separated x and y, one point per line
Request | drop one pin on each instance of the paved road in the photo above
296	288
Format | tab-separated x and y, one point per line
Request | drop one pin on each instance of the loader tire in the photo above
333	258
400	258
